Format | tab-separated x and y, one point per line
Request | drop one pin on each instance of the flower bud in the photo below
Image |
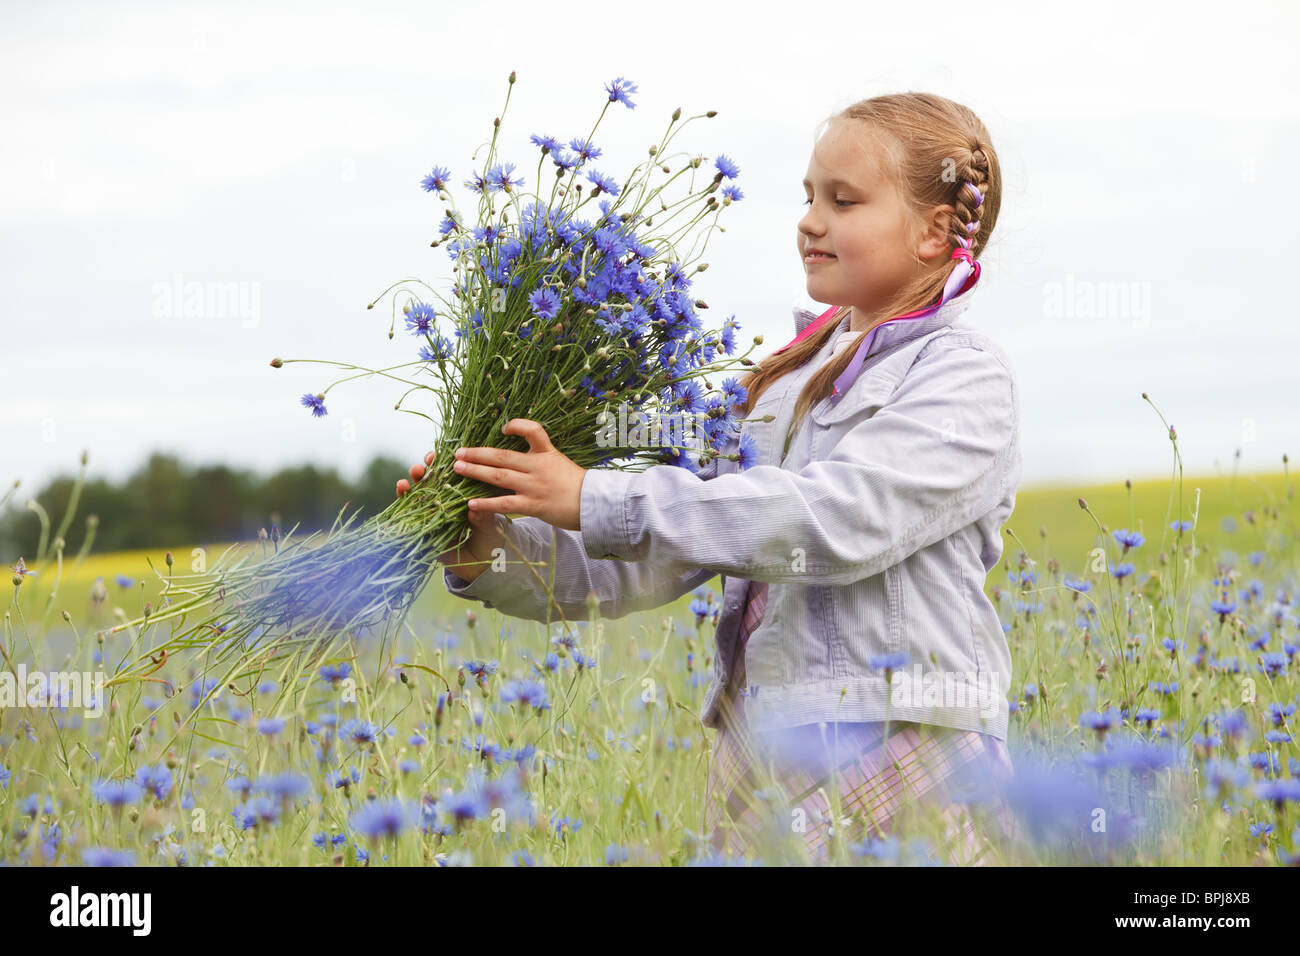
276	363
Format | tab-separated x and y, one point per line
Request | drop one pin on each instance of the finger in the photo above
505	504
417	472
532	432
501	457
403	486
500	477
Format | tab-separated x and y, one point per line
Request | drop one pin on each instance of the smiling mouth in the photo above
818	257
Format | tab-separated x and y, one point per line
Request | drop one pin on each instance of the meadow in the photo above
1153	629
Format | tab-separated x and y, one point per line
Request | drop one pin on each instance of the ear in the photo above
934	235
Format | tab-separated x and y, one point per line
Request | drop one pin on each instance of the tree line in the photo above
168	503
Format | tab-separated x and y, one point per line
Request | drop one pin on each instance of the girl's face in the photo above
856	215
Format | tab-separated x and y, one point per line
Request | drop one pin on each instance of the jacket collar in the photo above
897	330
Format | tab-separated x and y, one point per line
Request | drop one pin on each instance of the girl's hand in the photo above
546	483
473	557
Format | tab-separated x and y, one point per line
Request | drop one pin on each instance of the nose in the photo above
809	227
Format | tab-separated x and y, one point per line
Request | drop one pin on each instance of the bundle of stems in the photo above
571	306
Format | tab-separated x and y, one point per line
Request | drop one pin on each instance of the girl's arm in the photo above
942	452
621	587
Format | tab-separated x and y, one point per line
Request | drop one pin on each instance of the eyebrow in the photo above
835	182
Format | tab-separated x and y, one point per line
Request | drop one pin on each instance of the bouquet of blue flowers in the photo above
571	305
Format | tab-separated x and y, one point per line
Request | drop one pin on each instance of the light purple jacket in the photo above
875	534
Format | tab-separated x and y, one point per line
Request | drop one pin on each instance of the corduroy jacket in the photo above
875	532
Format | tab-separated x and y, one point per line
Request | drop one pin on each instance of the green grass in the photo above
620	753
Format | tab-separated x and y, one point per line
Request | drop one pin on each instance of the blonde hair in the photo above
932	148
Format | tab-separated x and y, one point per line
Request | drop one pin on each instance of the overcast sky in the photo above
1145	147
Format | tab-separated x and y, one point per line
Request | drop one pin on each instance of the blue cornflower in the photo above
1222	776
157	780
333	674
270	726
747	454
316	403
483	747
436	180
338	779
1279	791
548	144
1146	715
1077	584
1121	571
531	693
255	811
285	786
469	804
482	669
733	193
32	806
887	662
726	166
1100	722
584	149
1278	713
1129	539
123	581
116	792
498	177
603	183
615	854
384	818
420	318
1273	664
1277	737
566	825
359	731
5	776
105	856
443	348
1233	723
544	303
1223	608
618	92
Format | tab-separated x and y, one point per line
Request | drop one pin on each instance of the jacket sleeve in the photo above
621	587
935	458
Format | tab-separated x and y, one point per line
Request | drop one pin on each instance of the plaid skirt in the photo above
959	775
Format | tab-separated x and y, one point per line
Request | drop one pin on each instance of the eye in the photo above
838	202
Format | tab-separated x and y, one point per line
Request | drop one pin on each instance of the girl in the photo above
859	664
